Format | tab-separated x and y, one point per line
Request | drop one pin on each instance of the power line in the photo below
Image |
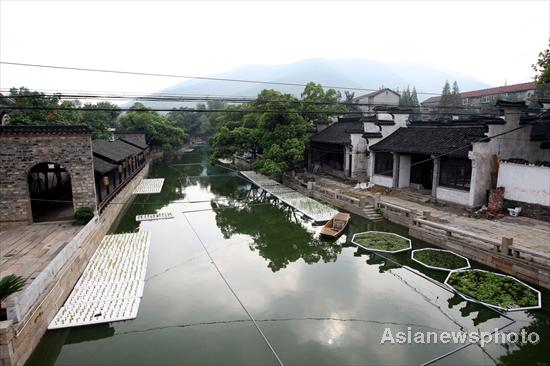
188	76
233	292
205	98
227	110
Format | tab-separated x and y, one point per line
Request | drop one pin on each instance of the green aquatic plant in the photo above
491	288
10	284
382	241
441	259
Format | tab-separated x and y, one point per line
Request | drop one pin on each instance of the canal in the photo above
232	253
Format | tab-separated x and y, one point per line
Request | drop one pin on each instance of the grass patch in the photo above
437	258
382	241
492	289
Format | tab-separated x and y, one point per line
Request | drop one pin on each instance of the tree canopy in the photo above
44	109
159	131
409	98
542	67
200	124
273	129
450	98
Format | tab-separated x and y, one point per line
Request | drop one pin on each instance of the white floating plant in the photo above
148	186
156	216
112	284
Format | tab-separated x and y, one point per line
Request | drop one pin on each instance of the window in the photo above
456	173
383	163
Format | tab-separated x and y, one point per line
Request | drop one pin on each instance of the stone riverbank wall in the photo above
31	311
503	255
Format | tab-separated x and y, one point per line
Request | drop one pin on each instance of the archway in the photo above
50	192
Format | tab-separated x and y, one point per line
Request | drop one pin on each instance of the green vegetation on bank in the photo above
274	128
41	109
490	288
381	241
441	259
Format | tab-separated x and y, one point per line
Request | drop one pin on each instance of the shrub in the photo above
490	288
437	258
382	241
10	284
83	215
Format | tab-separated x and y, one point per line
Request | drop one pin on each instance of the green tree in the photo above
446	95
455	94
542	67
100	117
315	98
414	98
159	131
36	107
349	102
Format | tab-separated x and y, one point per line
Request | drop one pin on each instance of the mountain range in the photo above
351	73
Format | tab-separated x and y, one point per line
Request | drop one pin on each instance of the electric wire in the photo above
136	73
233	292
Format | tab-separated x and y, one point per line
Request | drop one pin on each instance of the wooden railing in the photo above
103	204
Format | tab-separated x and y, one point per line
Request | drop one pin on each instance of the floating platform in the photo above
148	186
313	209
156	216
111	286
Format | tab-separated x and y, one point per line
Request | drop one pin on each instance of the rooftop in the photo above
44	130
114	151
490	91
101	166
339	132
451	140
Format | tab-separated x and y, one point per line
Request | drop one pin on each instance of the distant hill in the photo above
358	73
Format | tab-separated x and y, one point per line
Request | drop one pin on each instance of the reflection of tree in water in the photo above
531	354
483	313
275	236
383	263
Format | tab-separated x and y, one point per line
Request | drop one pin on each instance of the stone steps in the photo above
371	214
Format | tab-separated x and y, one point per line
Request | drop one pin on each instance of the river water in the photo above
232	254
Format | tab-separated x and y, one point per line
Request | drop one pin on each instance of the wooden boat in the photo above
335	226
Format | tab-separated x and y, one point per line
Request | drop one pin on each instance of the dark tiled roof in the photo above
452	140
374	135
115	151
136	139
44	130
338	133
101	166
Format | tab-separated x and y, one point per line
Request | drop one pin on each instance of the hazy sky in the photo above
489	41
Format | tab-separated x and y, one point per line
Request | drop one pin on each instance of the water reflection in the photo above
279	244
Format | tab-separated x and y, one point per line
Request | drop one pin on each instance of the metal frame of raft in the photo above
291	197
111	286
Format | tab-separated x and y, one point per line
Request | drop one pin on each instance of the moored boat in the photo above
335	226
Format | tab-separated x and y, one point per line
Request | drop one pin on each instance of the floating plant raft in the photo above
111	286
494	289
156	216
313	209
381	241
148	186
443	260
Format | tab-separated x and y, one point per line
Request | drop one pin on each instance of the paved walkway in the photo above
527	233
27	250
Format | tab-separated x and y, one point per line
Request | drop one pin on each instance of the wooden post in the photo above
362	201
505	246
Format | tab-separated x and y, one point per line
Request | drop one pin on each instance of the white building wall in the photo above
525	183
515	144
360	161
382	180
453	195
404	170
